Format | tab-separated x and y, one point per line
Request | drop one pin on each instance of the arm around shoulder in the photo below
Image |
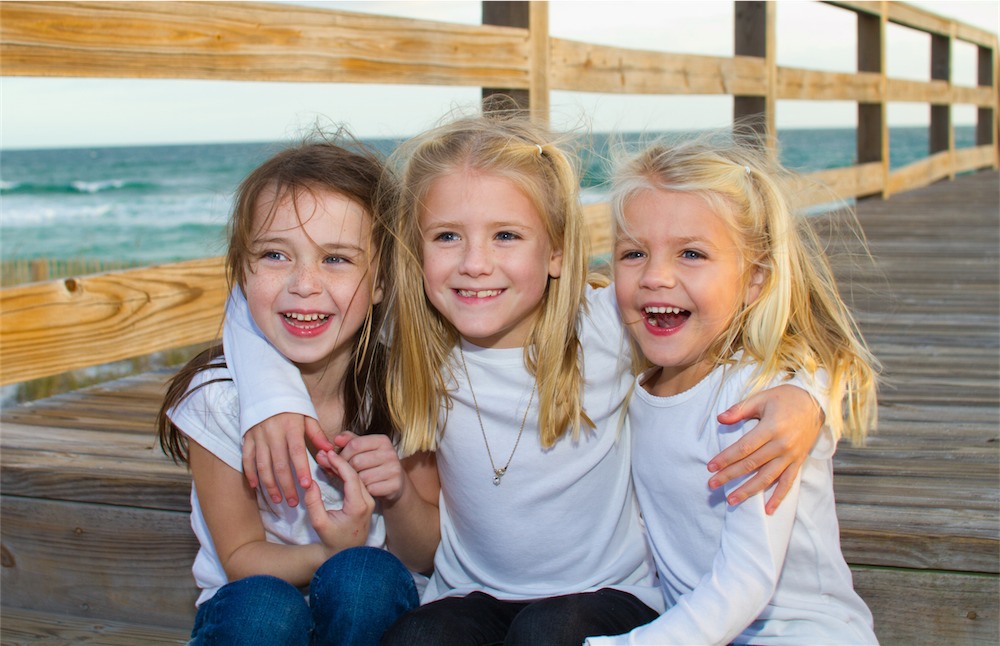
267	382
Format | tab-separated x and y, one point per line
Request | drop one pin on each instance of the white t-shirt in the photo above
209	415
564	519
735	574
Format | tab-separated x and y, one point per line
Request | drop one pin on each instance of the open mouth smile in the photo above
665	318
301	321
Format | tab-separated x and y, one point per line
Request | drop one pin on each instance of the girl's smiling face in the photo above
487	257
680	279
309	281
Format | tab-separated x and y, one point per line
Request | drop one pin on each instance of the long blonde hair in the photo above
510	146
799	321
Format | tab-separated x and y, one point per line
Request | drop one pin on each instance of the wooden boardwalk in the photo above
95	520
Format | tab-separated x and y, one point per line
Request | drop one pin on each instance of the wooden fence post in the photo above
941	137
754	25
873	132
538	95
987	129
507	13
39	270
533	16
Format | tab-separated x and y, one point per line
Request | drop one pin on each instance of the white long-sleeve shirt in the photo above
735	574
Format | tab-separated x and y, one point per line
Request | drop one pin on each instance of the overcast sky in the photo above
55	112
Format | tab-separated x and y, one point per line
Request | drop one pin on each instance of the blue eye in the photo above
335	260
691	254
631	255
447	236
507	236
273	255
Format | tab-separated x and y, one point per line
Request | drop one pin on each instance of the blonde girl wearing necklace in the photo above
513	370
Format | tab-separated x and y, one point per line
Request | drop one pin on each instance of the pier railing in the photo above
51	327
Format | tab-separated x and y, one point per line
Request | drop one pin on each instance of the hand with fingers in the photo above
348	526
789	424
377	463
275	454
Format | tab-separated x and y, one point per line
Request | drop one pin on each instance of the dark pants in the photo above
556	621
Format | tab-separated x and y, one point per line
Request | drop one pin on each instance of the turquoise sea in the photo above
154	204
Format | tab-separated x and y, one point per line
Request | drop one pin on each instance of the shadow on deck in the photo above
95	523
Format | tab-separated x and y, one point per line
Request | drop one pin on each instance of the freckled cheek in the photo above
262	290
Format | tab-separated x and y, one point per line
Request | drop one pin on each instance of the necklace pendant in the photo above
499	473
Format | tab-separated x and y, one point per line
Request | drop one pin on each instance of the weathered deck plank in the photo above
919	504
31	628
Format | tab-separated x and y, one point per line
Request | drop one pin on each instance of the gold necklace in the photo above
498	474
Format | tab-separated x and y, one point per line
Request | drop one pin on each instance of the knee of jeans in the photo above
368	577
256	609
362	567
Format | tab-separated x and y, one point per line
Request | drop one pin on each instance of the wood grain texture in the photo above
20	627
586	67
912	607
60	325
926	483
98	561
253	42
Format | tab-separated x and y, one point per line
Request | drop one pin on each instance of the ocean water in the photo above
155	204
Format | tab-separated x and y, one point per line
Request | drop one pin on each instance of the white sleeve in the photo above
742	581
267	382
817	384
209	415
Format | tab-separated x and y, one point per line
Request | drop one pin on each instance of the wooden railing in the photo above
51	327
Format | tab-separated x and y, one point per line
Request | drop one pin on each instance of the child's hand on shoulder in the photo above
276	447
790	422
377	463
349	525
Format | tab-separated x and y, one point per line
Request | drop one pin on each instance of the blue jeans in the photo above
480	620
353	598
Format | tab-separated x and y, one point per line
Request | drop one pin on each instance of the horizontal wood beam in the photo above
253	42
920	19
586	67
794	83
49	328
921	173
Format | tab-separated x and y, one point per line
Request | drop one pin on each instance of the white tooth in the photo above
663	310
306	318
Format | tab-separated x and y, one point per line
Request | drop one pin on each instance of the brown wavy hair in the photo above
337	164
